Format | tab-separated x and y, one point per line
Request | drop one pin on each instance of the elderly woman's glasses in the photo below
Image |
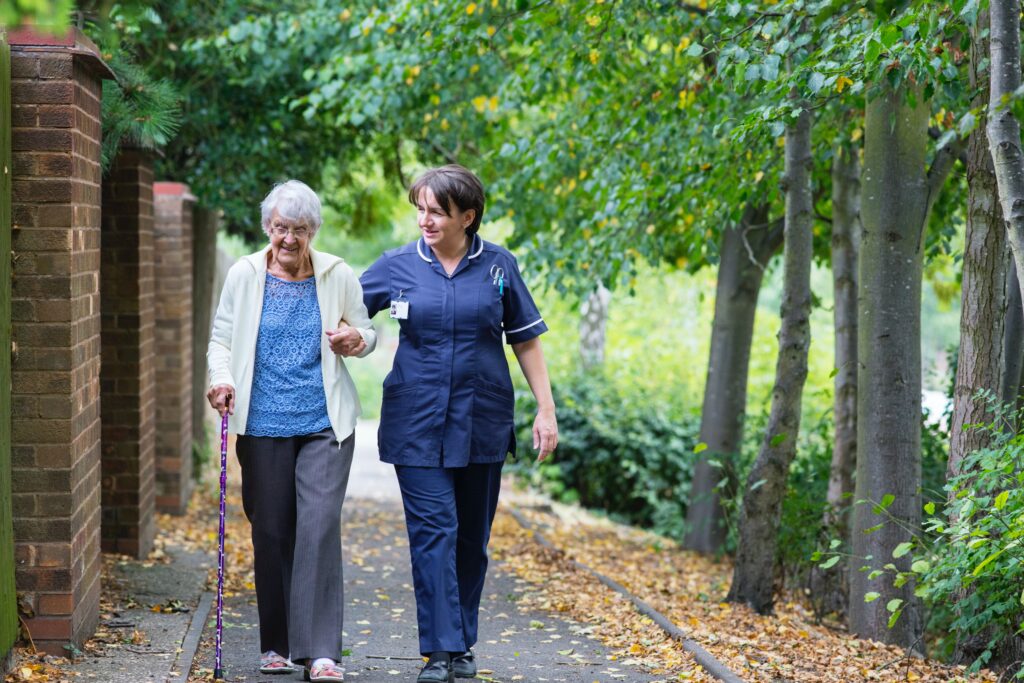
299	232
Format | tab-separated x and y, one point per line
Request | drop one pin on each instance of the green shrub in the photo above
617	453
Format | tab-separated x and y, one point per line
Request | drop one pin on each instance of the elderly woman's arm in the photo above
355	335
218	354
545	427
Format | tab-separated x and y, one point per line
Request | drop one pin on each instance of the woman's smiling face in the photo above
439	229
289	242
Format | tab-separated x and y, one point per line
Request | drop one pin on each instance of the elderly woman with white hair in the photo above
287	314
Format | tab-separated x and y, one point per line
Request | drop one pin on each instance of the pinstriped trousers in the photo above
292	492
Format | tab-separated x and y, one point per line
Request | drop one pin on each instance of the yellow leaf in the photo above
856	134
594	56
474	68
650	229
26	673
480	103
593	20
758	176
842	82
492	104
470	8
635	649
345	15
491	31
444	124
366	30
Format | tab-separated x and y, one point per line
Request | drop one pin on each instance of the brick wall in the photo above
128	376
173	238
56	328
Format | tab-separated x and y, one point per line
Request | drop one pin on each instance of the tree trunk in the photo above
894	212
1003	128
845	245
753	575
204	257
829	585
979	362
1013	338
745	251
593	321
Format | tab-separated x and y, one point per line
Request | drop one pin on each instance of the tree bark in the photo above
1013	337
204	257
754	572
829	585
593	321
894	214
979	361
845	245
744	253
1002	127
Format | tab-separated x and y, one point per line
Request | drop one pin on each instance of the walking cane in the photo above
218	671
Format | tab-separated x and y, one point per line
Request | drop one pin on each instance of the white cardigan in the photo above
232	351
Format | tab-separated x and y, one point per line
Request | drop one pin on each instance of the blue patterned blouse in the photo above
288	396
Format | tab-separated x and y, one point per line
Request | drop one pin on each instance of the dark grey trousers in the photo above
292	491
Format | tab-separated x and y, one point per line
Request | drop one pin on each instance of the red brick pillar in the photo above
56	329
128	377
173	232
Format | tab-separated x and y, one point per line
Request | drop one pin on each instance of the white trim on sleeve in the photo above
535	322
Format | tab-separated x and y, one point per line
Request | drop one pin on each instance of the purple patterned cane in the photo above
218	671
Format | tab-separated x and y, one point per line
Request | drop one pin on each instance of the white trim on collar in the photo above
476	238
480	249
420	252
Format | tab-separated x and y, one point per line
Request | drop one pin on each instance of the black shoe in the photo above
437	670
464	665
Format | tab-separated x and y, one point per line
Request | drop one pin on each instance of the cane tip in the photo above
218	675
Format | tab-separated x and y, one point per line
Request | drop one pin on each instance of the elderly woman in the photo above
286	316
446	420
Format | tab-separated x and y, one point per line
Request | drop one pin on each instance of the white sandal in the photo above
273	663
326	673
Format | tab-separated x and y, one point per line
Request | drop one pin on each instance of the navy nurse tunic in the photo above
448	399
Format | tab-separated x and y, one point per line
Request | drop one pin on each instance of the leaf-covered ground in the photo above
684	586
687	588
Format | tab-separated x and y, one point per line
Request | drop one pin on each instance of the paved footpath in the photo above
380	617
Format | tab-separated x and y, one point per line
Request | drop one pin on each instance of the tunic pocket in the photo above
493	408
404	414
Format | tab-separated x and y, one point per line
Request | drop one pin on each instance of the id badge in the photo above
400	310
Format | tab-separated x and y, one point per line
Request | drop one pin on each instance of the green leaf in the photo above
887	500
871	597
835	371
815	82
929	508
893	604
834	543
695	50
1001	499
902	549
700	448
777	439
831	562
872	51
920	566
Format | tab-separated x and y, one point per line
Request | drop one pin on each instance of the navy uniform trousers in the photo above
448	513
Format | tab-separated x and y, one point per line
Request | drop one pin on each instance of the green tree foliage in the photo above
49	14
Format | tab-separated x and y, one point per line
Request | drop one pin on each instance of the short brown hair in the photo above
452	183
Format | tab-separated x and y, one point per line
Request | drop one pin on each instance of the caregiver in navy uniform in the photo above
446	419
